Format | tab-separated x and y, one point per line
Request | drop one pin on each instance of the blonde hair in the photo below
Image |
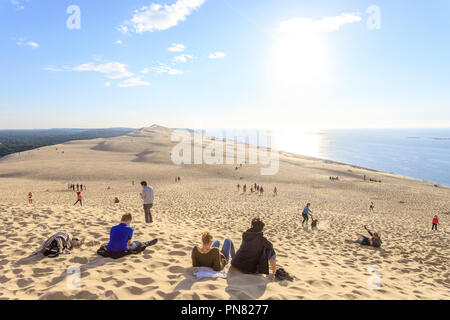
206	237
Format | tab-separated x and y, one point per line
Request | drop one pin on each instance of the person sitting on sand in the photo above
120	237
375	241
79	199
30	198
435	223
209	255
256	253
306	211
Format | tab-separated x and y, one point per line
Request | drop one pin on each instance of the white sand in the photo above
413	260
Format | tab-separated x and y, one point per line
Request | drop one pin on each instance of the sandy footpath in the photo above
413	261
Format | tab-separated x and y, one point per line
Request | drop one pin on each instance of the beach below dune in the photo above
413	260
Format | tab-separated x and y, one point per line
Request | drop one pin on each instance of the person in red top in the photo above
435	223
79	199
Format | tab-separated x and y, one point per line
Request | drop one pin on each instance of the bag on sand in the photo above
56	244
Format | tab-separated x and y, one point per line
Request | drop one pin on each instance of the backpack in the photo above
56	244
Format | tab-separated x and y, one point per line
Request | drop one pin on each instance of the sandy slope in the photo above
413	260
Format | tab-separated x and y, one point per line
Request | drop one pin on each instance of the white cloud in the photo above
167	69
160	17
24	42
217	55
177	47
325	24
19	4
133	82
112	70
183	58
107	84
119	41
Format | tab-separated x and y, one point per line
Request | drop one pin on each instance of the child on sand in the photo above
306	211
30	198
435	223
375	241
209	255
79	199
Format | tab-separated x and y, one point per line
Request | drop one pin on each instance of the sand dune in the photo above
413	260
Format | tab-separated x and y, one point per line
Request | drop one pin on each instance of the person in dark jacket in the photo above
256	252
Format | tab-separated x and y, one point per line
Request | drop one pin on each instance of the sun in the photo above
299	61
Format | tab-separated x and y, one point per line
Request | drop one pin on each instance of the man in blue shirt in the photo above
120	235
120	238
305	213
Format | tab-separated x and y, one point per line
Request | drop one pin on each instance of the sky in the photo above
224	64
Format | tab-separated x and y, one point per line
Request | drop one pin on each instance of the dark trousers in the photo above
147	213
81	202
305	218
434	226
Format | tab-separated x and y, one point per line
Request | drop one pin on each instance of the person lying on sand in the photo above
59	243
256	252
120	237
209	255
375	241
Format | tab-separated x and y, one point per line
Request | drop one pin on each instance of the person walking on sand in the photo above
78	187
372	207
244	188
435	223
79	199
30	198
81	187
306	211
275	191
147	196
73	187
239	187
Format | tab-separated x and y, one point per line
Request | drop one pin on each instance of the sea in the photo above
423	154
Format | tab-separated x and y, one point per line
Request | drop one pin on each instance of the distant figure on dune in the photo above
179	179
372	207
435	223
306	211
244	188
256	253
239	187
79	199
81	187
120	237
275	191
209	255
261	191
375	241
78	187
116	200
132	183
30	198
73	187
147	196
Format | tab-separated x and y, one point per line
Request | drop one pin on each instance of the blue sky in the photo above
225	64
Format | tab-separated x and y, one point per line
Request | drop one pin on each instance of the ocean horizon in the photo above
423	154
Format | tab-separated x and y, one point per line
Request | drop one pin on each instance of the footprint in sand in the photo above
144	281
177	253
